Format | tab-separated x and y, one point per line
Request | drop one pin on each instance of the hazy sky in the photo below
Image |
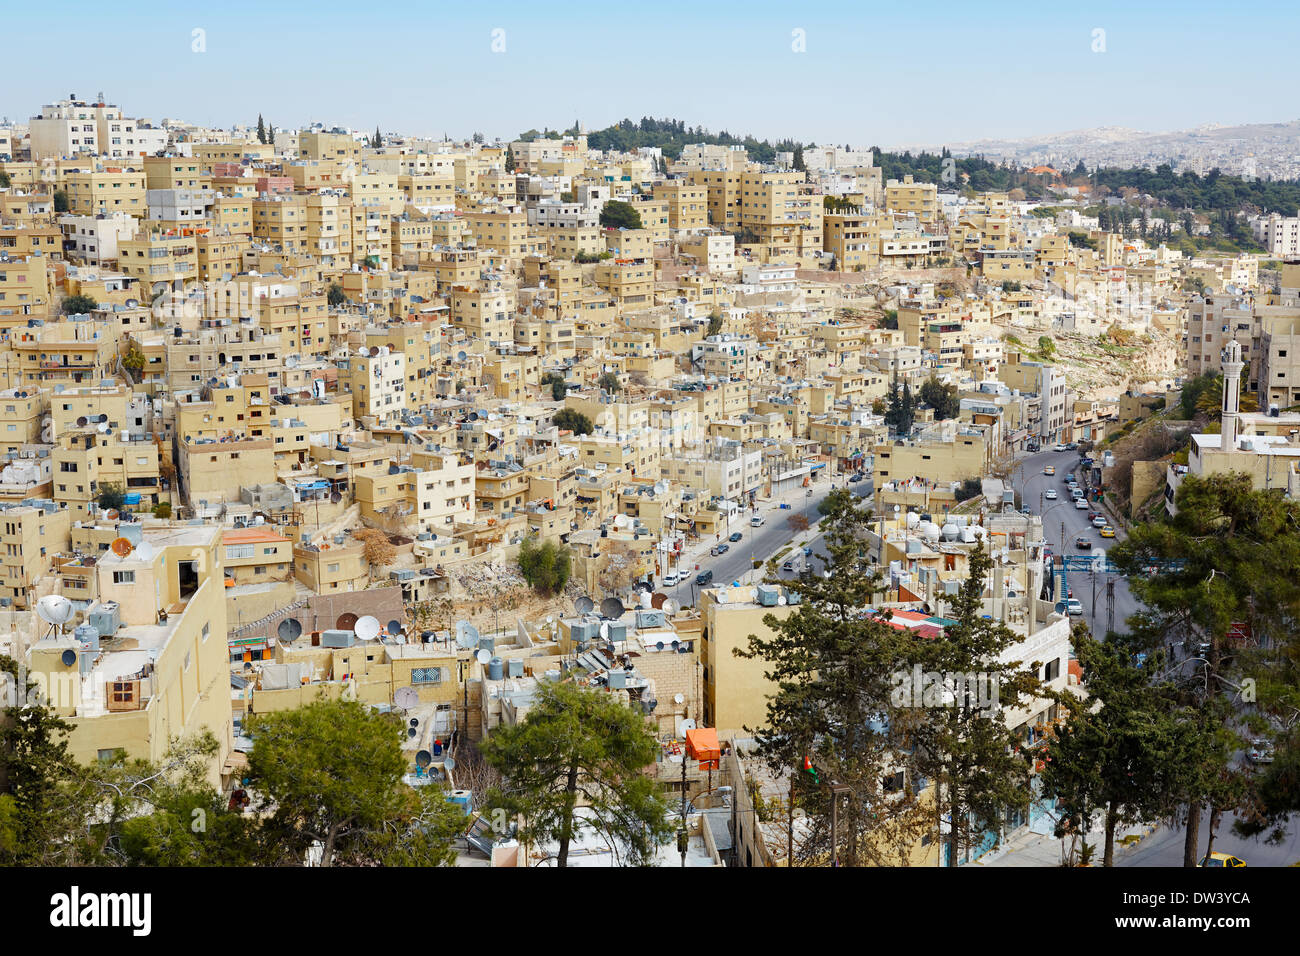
871	74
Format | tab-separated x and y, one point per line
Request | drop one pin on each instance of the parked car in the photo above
1261	751
703	578
735	536
788	567
807	552
855	478
1099	522
1107	531
1049	469
1221	859
671	579
1050	494
1060	447
1073	608
722	548
1080	504
1082	543
757	521
1072	446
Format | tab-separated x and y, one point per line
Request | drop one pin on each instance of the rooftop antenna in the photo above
55	610
406	698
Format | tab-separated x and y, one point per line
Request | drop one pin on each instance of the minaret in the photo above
1232	366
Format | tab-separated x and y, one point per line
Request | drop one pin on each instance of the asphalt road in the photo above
1164	847
759	544
1029	480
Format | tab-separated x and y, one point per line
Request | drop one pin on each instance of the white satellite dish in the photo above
550	619
102	427
406	698
367	628
54	609
780	599
483	655
144	551
670	607
604	629
685	725
679	699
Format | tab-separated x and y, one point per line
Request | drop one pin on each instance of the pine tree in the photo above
833	720
965	746
378	141
261	129
798	160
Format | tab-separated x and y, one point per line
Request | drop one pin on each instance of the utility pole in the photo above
1062	538
1110	604
789	826
682	838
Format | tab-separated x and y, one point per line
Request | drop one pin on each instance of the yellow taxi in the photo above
1049	469
1107	531
1221	859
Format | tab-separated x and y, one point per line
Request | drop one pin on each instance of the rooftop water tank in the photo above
495	669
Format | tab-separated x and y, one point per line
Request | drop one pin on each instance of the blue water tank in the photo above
495	669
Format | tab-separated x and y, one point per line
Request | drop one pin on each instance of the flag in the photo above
809	768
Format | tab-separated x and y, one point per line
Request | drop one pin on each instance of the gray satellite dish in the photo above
411	733
483	655
68	657
449	764
394	628
406	697
423	758
54	609
466	635
584	605
670	607
367	628
289	630
611	607
644	587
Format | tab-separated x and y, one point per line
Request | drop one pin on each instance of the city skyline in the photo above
1044	76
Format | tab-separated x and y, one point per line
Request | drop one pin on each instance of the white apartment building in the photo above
95	238
1279	235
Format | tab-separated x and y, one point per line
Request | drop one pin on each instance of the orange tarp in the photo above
702	745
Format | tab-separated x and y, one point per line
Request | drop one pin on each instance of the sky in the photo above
863	74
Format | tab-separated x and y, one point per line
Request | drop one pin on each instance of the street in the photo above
1062	523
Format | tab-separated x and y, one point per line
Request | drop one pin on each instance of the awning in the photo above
702	745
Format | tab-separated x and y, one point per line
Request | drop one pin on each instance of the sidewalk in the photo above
1034	849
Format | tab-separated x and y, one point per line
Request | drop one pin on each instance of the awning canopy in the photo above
702	745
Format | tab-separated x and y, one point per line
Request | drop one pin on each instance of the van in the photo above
757	521
703	578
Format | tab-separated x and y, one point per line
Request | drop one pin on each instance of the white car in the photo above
1080	504
1099	522
1061	447
1050	494
671	579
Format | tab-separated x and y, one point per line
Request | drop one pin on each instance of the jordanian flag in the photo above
810	769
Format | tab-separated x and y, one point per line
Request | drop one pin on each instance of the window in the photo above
426	675
124	577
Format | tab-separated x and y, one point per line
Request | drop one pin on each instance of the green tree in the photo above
133	360
5	181
1225	561
1120	750
545	566
901	410
620	215
112	496
833	673
37	817
330	777
798	162
559	386
965	745
579	747
60	200
609	382
334	296
573	420
510	160
261	129
942	398
78	304
715	323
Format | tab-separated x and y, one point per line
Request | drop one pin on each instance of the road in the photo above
1164	847
759	544
1028	479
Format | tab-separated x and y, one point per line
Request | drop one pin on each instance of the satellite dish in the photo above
670	607
466	635
69	657
394	628
54	609
584	605
367	628
685	725
780	599
102	428
423	758
483	655
679	699
82	421
449	763
346	622
335	497
406	697
657	600
291	362
612	607
289	630
550	619
412	733
644	587
145	551
121	547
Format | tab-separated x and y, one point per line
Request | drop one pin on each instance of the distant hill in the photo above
670	135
